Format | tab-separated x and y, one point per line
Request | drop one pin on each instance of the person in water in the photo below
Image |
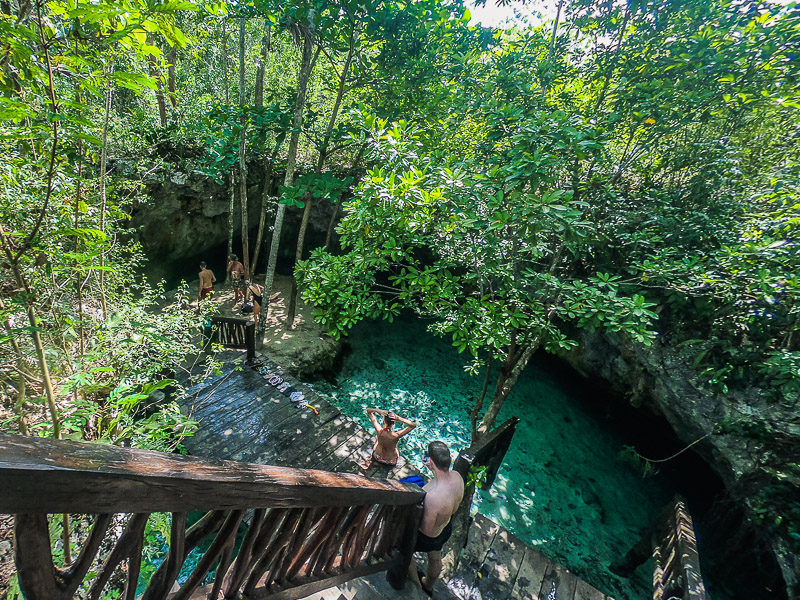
385	451
443	494
206	282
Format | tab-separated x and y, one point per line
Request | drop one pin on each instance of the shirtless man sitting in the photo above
443	496
385	451
207	279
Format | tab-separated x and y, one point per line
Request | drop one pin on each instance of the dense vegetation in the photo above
631	167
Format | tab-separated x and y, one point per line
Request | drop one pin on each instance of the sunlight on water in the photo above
562	487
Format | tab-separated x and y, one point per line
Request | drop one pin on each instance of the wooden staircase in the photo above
300	530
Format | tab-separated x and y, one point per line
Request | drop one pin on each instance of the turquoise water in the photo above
562	487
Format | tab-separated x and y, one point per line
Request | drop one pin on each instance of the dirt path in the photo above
304	349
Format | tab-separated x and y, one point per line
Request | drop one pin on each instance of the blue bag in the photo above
415	479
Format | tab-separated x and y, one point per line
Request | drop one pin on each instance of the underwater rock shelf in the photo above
244	417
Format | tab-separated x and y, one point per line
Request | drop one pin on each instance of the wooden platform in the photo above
243	417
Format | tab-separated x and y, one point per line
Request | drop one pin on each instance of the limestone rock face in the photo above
312	353
754	432
183	218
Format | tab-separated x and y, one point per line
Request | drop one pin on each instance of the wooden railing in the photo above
297	531
234	333
489	452
673	545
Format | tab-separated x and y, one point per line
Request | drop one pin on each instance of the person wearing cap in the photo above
235	271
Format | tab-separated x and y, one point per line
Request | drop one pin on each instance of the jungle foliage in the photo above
632	167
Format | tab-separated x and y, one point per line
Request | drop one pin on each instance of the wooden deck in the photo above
243	417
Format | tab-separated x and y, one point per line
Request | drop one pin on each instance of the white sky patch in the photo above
492	15
535	11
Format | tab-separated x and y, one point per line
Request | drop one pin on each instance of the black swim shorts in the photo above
429	544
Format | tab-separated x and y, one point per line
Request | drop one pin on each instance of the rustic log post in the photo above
396	576
125	548
35	569
250	340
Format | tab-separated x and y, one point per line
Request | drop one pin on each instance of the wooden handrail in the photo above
230	332
677	562
488	452
672	544
308	529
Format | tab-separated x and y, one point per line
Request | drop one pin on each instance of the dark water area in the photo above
570	485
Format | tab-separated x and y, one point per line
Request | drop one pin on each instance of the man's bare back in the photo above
443	496
206	278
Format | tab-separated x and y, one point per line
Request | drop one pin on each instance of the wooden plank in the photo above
212	405
583	591
558	583
217	434
501	566
297	429
208	397
345	430
43	475
531	573
360	458
193	387
479	539
303	587
343	451
319	438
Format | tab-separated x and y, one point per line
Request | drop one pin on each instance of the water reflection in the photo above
562	487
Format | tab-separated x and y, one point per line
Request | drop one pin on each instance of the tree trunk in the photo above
76	247
103	200
515	363
264	205
243	156
172	56
225	62
476	408
610	67
231	214
337	206
323	152
552	49
34	332
291	160
155	73
266	45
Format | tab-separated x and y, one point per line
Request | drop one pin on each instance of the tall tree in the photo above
243	151
305	31
322	155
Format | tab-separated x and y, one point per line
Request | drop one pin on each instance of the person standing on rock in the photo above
206	282
443	494
235	271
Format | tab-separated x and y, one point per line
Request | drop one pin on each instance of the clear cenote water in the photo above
563	487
